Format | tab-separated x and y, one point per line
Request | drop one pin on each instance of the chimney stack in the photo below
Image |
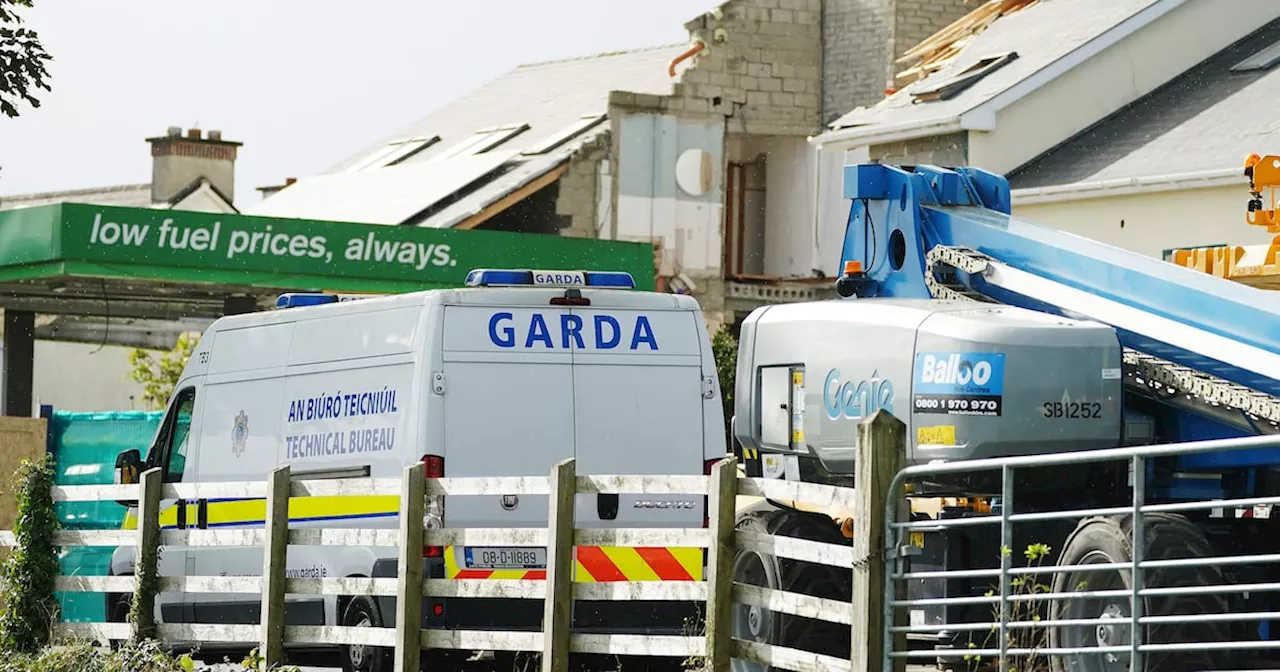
178	160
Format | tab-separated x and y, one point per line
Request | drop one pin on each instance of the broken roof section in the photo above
513	133
1227	98
939	49
992	58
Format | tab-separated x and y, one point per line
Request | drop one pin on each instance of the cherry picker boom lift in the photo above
992	337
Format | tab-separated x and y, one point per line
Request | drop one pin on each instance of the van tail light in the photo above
706	501
433	515
433	466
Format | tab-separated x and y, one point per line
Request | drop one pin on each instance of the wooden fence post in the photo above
557	614
722	499
147	555
275	553
409	583
881	455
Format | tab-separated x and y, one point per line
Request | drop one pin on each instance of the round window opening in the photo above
694	172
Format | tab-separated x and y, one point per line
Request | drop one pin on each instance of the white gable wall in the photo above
1149	223
204	199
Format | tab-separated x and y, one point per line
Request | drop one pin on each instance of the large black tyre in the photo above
1107	540
362	612
752	568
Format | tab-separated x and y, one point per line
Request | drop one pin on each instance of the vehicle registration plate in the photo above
506	558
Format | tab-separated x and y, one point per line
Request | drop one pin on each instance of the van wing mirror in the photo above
128	471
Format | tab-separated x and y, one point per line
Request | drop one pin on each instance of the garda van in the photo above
505	377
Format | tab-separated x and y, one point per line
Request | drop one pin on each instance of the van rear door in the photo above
508	411
638	409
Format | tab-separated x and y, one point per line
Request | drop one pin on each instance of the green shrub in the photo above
725	349
149	656
31	608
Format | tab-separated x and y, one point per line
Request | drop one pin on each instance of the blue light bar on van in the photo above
300	300
497	277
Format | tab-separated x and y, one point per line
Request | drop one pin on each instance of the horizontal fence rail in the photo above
1025	602
710	643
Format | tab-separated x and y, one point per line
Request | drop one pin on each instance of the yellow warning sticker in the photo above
942	435
797	377
917	539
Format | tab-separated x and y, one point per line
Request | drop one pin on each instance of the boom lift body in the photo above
1098	347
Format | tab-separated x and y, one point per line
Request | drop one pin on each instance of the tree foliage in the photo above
159	376
23	60
725	349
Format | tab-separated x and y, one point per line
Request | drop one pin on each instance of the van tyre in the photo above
757	624
118	605
361	612
1167	537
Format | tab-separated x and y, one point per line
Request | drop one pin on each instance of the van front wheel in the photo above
361	612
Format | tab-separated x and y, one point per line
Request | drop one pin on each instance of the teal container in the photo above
85	446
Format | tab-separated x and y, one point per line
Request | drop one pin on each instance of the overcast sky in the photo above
302	83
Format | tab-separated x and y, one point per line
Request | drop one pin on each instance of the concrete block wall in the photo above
855	37
578	199
761	68
940	150
862	39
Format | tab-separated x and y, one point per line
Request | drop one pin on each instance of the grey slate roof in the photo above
129	196
1040	34
549	97
1207	118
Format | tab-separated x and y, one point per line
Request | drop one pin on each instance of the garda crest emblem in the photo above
240	434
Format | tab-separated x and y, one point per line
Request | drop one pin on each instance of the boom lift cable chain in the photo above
1143	370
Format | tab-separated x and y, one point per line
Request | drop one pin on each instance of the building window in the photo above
483	141
394	153
1261	60
950	87
575	129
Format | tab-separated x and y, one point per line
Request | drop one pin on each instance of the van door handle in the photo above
182	513
607	506
202	514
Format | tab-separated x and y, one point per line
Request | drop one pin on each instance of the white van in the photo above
506	377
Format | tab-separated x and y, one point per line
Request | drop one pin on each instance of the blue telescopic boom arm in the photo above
900	213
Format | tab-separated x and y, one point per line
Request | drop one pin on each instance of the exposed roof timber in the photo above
939	49
513	197
982	117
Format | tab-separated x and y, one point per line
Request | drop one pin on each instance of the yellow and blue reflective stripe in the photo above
249	512
592	563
